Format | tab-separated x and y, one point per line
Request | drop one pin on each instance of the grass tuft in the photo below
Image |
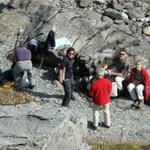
97	145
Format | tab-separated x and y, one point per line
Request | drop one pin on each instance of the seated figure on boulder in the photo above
139	84
117	72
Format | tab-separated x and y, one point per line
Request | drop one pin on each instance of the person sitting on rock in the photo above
139	84
100	92
118	70
66	76
21	57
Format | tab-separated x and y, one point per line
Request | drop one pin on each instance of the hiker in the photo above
139	84
22	63
100	92
66	76
39	49
33	46
117	72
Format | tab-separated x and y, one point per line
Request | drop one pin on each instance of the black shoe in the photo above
135	104
105	126
31	86
94	127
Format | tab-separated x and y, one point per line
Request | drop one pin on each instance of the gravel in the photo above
127	124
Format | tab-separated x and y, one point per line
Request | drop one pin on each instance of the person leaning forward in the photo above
22	57
66	76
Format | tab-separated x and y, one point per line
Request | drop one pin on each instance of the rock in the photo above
85	3
146	31
100	1
112	13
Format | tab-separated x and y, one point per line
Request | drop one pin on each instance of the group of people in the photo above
109	80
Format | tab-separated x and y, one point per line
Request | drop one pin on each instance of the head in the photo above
100	72
122	54
139	64
71	52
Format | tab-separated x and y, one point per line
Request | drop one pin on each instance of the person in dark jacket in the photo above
100	92
66	76
139	84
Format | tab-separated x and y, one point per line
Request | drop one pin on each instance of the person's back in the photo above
22	54
100	92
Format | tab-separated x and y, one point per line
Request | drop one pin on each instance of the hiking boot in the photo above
140	104
135	104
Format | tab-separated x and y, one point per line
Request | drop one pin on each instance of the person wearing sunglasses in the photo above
118	70
66	76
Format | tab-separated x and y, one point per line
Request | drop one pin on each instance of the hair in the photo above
100	71
122	50
140	61
70	49
51	38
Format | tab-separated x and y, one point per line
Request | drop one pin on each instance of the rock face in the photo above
96	29
91	26
47	127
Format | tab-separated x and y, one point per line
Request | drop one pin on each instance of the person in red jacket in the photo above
139	84
100	92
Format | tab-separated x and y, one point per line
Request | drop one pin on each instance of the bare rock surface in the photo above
97	29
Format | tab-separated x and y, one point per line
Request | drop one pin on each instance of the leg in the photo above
139	90
119	80
106	115
95	115
17	72
72	88
67	89
114	91
132	91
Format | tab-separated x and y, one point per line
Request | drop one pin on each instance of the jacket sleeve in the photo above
146	79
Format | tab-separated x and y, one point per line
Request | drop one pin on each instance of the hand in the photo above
60	81
109	72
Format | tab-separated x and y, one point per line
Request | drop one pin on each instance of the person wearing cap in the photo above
100	92
22	57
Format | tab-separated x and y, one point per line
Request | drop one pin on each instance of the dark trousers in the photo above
69	86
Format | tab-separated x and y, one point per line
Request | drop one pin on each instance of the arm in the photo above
61	74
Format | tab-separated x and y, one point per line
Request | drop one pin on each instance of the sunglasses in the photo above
121	54
71	53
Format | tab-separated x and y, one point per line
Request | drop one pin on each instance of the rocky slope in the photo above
96	28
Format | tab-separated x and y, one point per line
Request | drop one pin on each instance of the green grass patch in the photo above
97	145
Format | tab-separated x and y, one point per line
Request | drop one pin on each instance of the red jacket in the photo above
146	80
100	91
